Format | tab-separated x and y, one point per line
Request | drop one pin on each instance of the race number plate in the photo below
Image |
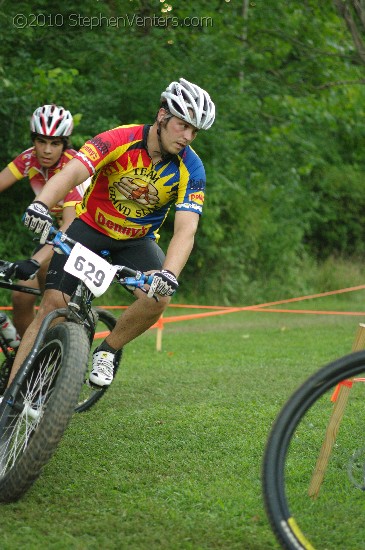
94	271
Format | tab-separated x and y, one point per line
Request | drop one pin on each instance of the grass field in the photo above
170	458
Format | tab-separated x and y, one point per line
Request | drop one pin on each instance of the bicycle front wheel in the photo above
314	461
90	394
34	418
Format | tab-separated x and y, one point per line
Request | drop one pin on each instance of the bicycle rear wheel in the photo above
332	518
38	406
90	394
7	356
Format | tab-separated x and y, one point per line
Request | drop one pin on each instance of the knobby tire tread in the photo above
57	414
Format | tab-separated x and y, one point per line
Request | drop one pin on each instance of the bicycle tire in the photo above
91	394
5	370
298	521
36	410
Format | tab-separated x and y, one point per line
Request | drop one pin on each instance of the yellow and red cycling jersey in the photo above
129	197
27	165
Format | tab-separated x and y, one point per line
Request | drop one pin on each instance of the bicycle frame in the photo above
50	384
78	309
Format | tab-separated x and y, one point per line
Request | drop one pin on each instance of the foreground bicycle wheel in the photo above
90	394
34	418
300	521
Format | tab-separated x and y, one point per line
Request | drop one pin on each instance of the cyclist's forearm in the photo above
68	215
51	193
182	242
44	254
57	187
178	254
7	179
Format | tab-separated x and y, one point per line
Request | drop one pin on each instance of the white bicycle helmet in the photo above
182	96
51	120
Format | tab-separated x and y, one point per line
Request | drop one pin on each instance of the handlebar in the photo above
60	240
125	275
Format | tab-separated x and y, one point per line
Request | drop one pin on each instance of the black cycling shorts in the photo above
141	254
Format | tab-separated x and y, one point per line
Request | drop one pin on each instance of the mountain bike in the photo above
301	516
89	394
8	353
38	405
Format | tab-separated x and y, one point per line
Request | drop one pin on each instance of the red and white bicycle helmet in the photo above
51	120
190	103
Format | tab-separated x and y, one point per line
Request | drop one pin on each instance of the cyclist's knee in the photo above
156	307
52	299
163	303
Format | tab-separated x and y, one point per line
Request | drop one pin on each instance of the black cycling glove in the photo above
24	270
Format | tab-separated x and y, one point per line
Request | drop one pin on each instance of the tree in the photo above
287	83
353	12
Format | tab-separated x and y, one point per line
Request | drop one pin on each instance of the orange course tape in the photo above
223	310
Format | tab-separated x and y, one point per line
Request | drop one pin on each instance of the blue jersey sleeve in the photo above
192	187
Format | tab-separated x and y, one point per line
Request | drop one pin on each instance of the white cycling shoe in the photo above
103	368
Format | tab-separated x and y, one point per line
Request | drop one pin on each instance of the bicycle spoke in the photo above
32	399
43	399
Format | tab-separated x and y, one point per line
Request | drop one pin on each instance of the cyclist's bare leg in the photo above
52	299
23	304
23	308
136	319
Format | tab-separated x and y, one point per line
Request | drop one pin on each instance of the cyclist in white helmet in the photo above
51	121
139	172
190	103
50	127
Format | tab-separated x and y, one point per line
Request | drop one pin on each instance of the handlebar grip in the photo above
59	240
137	283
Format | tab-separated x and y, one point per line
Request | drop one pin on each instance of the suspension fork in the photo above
81	311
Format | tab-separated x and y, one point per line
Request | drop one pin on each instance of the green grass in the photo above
170	458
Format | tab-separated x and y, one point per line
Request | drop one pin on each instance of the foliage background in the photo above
284	159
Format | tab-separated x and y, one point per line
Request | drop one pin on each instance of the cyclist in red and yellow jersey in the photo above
50	127
138	173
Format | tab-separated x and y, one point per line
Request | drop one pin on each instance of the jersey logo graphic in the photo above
136	189
196	197
90	152
116	227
